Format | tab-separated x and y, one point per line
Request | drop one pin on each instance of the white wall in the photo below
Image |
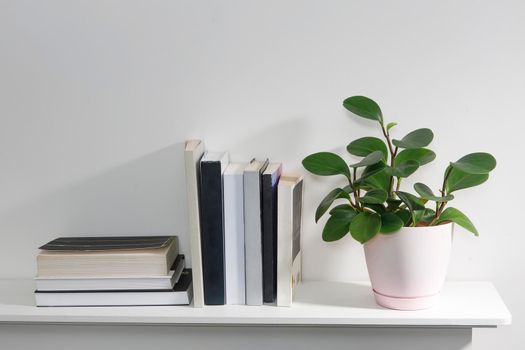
97	97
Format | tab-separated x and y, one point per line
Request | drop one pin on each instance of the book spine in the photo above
212	233
252	234
269	237
284	246
192	164
234	239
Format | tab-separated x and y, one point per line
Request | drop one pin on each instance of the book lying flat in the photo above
113	282
107	256
181	294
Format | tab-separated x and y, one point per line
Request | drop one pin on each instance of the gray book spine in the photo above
252	237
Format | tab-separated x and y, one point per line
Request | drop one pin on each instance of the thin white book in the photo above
193	153
253	231
180	294
289	207
234	234
112	283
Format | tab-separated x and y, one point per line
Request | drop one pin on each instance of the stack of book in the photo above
112	271
245	224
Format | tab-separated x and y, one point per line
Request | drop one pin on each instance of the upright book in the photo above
213	165
252	231
108	256
270	179
289	203
193	152
234	234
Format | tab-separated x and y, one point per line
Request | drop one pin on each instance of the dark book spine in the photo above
212	233
269	237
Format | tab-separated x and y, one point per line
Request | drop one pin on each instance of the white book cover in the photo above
193	153
252	231
112	283
289	207
179	295
234	234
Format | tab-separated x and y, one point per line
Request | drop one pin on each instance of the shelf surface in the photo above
462	304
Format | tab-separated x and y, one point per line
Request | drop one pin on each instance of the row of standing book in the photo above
245	224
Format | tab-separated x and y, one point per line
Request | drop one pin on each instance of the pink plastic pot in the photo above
408	268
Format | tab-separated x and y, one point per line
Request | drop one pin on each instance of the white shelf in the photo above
462	304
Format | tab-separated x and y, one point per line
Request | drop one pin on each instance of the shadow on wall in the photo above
146	196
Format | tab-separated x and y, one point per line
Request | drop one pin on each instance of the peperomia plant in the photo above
373	202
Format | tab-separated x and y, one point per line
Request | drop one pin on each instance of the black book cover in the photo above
269	235
212	233
108	243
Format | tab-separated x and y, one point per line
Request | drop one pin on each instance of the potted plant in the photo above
406	237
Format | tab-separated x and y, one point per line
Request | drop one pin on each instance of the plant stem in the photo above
387	137
354	193
439	209
398	184
393	153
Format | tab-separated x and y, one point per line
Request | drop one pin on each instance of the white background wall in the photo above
97	98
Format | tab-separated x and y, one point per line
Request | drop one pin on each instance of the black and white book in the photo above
252	231
213	165
270	179
180	294
112	282
289	203
107	256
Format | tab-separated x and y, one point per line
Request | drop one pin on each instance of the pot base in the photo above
407	304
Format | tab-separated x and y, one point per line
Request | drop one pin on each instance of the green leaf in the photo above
425	215
338	225
390	223
378	208
371	159
366	145
364	107
390	126
328	200
404	215
372	170
458	180
326	164
421	155
376	196
476	163
454	215
365	226
379	180
426	193
341	208
428	215
416	139
404	169
393	204
412	202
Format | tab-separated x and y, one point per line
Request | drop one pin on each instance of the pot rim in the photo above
448	224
